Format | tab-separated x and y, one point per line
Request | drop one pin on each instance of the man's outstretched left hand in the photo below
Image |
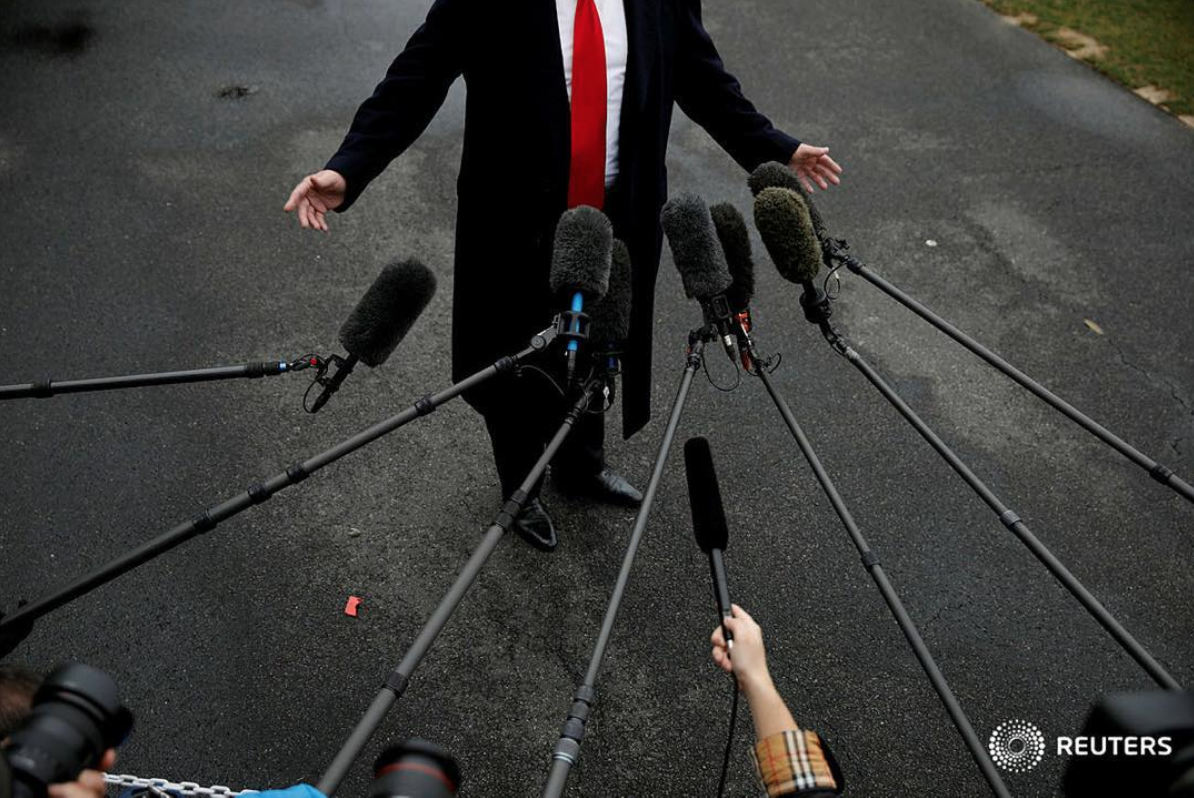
813	165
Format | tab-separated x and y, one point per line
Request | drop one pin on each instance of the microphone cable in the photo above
725	761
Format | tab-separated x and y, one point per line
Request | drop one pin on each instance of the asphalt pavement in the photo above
146	150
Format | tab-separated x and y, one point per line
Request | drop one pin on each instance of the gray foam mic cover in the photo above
609	321
735	242
787	231
775	175
580	259
387	311
697	252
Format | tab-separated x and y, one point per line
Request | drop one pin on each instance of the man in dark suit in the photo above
569	102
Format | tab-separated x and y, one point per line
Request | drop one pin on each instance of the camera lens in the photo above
415	769
77	715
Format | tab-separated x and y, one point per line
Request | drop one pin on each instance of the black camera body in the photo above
415	769
1154	758
77	716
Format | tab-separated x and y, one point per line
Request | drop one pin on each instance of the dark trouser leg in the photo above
583	453
516	433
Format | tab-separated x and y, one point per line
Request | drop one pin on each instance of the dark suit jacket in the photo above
513	179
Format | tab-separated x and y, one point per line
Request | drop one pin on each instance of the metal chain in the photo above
161	788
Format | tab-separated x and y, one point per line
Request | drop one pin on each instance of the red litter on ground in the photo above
350	608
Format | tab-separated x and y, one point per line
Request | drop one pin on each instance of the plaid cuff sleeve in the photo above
792	762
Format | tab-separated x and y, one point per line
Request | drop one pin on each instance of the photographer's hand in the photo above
89	784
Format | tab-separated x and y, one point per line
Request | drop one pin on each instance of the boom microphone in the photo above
735	243
702	264
580	265
709	520
380	321
775	175
786	226
609	323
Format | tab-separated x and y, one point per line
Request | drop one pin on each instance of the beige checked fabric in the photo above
791	762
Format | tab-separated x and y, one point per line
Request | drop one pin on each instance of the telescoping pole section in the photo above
256	494
395	684
871	562
567	748
1156	470
1010	519
48	387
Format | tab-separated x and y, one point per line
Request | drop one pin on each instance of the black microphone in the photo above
786	225
709	520
580	264
775	175
380	321
609	321
735	243
702	264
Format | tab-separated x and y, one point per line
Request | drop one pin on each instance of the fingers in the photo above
810	150
109	759
295	197
718	638
832	164
722	660
828	174
318	212
804	181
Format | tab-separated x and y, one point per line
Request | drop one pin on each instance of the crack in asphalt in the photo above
1162	382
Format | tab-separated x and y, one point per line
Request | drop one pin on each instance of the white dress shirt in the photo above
617	47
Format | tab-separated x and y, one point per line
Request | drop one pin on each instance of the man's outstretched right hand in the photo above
315	196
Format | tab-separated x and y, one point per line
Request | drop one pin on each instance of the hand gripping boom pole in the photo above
567	748
16	626
1156	470
871	562
395	684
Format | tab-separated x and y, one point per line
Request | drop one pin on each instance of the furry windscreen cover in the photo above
387	311
609	321
695	248
787	230
735	242
775	175
580	258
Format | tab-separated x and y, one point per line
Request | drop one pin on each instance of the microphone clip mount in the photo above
572	325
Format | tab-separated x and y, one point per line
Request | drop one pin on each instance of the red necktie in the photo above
586	177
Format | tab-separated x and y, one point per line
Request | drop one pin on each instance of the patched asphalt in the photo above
146	150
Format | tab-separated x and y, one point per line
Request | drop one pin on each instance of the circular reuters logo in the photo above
1017	746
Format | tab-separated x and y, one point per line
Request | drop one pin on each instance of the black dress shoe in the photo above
604	486
534	525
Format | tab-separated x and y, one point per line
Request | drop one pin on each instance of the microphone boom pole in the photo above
396	682
1156	470
1008	517
870	562
19	620
567	748
43	389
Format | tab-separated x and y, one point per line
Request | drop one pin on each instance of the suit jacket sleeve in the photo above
713	98
406	100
